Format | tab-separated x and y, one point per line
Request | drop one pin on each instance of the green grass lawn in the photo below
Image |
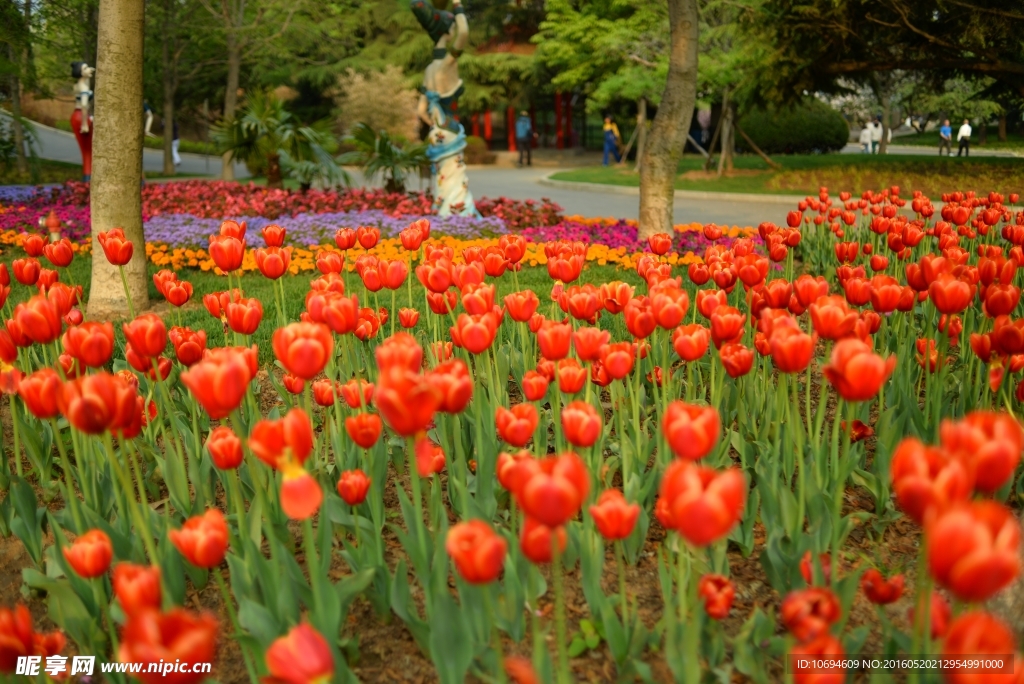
40	171
804	174
1013	142
195	315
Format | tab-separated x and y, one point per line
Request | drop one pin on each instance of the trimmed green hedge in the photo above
809	127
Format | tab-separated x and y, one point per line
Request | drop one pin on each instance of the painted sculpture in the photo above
441	90
81	118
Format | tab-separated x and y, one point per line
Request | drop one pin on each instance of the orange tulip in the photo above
177	636
474	333
283	442
203	539
991	442
116	247
227	252
700	503
301	495
40	391
357	393
90	555
535	386
244	316
717	592
367	236
147	334
333	309
137	587
219	382
303	348
59	253
273	262
691	341
928	481
96	403
613	517
26	271
640	319
726	325
406	400
38	320
300	657
736	359
225	448
364	429
408	318
477	551
832	318
273	235
588	342
553	339
856	372
553	488
571	376
792	349
455	385
617	359
691	431
973	549
353	486
581	424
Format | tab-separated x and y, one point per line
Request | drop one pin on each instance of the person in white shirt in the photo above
865	139
964	138
876	135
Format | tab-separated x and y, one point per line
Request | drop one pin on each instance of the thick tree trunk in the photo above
170	83
231	98
116	200
725	160
664	147
641	136
274	171
983	133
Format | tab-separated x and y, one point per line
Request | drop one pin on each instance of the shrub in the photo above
811	126
381	99
477	152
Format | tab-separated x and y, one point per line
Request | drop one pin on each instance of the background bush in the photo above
811	126
476	151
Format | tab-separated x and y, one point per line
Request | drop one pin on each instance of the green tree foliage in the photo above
808	127
380	155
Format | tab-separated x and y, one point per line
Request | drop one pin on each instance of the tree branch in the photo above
640	60
987	10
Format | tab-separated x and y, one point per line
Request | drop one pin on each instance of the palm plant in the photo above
267	134
378	154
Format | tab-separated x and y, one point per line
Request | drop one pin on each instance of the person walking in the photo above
964	138
174	144
865	139
524	138
876	135
945	138
611	140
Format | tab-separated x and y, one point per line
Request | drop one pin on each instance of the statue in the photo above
81	119
441	89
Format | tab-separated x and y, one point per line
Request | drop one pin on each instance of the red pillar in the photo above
510	116
559	139
569	142
488	129
476	124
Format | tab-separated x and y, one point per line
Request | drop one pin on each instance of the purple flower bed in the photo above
313	229
624	234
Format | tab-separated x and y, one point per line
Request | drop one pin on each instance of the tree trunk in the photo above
116	199
641	136
21	161
725	160
274	171
231	98
664	146
983	133
170	83
1002	127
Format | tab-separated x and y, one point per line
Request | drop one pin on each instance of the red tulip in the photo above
553	339
283	442
477	551
332	262
581	424
973	549
225	448
345	238
406	400
879	590
147	334
521	305
38	319
429	457
535	386
474	333
300	657
617	359
367	236
357	393
691	341
244	316
273	235
809	613
353	486
189	345
153	638
736	359
660	243
90	555
726	325
137	587
301	495
203	539
408	318
613	517
535	540
116	247
639	315
233	228
977	635
832	318
826	650
691	431
571	376
717	593
26	271
927	481
702	504
364	429
950	294
516	426
303	348
59	253
856	372
453	381
588	342
40	391
792	349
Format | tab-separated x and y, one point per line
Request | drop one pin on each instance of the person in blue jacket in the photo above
524	137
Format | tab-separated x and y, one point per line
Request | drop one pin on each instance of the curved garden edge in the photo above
788	200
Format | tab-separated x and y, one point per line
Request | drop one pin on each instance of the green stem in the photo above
620	557
563	676
127	292
230	607
495	634
17	438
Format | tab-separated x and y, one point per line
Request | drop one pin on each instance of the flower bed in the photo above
497	457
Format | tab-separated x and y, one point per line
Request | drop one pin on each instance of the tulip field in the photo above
534	449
